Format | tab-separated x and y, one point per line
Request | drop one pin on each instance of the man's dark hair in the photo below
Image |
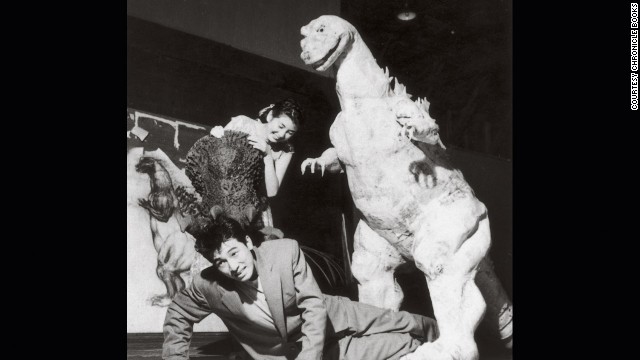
210	234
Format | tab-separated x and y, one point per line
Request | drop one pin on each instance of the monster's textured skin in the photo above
229	173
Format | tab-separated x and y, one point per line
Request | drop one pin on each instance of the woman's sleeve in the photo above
241	123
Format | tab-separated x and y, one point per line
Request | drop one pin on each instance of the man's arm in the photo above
309	299
188	307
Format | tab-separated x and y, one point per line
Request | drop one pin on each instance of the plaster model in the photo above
415	206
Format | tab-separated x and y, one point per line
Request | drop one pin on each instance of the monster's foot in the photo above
441	350
508	343
160	300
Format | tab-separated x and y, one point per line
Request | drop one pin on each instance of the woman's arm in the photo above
274	172
270	178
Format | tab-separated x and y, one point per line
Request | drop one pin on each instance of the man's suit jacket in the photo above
294	300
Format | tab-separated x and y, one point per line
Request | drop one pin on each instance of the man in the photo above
271	304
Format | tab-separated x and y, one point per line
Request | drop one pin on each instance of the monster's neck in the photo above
358	75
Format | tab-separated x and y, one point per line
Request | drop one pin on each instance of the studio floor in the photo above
215	346
209	346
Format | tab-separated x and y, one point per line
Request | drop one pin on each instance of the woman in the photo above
270	134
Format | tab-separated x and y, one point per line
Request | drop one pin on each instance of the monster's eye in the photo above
321	29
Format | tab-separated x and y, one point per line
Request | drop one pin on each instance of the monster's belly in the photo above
378	163
389	176
367	130
388	196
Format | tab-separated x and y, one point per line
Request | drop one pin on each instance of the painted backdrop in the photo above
164	143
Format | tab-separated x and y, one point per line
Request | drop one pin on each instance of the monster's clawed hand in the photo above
313	164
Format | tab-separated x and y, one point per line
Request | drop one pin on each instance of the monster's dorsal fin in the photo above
400	89
423	104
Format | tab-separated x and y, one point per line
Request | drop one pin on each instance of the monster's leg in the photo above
373	265
498	319
186	259
166	271
449	251
199	263
165	277
159	238
176	254
177	284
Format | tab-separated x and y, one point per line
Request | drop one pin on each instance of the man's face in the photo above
234	260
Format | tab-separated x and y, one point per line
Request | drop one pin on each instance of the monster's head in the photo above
228	174
325	39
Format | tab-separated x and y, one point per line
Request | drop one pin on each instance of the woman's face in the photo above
280	129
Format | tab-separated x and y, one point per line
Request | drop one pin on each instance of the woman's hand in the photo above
259	143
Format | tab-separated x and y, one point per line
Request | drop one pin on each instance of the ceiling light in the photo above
406	14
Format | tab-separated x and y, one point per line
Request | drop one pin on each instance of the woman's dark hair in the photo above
210	234
287	107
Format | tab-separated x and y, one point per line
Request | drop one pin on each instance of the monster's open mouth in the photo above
321	62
